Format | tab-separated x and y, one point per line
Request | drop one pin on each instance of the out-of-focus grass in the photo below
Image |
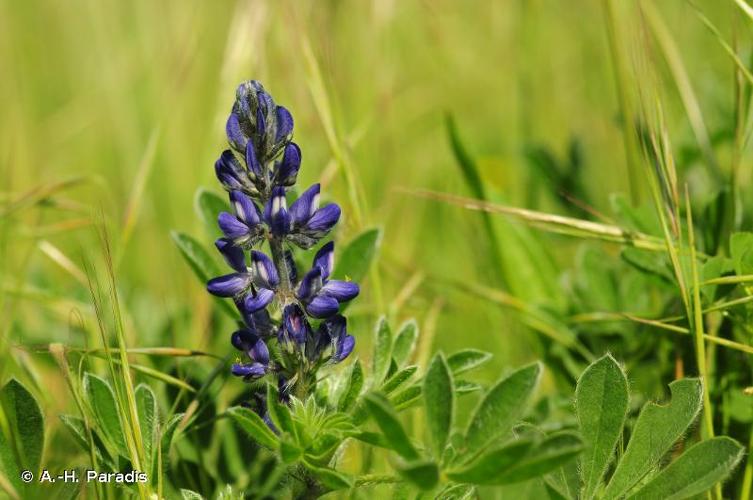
129	99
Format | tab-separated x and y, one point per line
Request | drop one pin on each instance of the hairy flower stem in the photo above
278	257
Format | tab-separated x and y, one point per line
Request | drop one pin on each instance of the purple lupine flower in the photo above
295	326
308	222
245	227
276	212
255	284
336	329
258	169
256	118
320	295
233	175
286	170
256	349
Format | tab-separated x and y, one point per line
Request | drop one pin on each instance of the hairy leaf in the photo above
330	478
278	412
501	407
491	463
398	379
601	403
405	342
254	426
353	389
439	399
26	432
382	351
551	453
102	401
146	407
424	474
658	427
467	359
386	418
696	471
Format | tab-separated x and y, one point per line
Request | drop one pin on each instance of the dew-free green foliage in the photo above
439	397
501	407
21	435
602	403
696	471
112	117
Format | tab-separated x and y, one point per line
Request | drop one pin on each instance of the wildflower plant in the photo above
291	322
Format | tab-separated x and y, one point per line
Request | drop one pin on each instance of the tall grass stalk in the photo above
622	84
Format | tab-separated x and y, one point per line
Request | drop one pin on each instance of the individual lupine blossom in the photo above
257	171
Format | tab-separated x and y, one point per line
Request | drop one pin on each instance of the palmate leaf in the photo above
439	399
656	430
696	471
501	407
601	403
22	448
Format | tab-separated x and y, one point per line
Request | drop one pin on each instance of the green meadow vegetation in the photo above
546	205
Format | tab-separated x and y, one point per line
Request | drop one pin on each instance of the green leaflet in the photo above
501	407
382	351
209	205
601	403
26	426
696	471
552	452
254	426
146	406
439	400
405	342
658	427
491	463
386	418
355	259
102	401
424	474
398	379
353	389
330	478
278	412
467	359
741	251
201	263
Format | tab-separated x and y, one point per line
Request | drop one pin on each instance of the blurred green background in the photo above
115	111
